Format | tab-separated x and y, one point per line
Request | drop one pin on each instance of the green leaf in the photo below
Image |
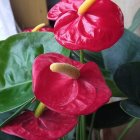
116	92
136	21
4	136
95	57
17	54
127	49
8	116
127	78
110	115
15	96
70	135
51	45
131	108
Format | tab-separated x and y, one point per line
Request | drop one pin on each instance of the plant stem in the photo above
82	122
81	56
82	128
91	127
78	130
128	127
64	138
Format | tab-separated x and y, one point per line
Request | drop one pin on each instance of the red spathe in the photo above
49	126
63	94
98	29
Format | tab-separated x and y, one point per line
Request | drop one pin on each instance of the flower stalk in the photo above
78	130
82	128
82	122
81	56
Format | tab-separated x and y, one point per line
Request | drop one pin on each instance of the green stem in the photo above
64	138
128	127
91	127
81	56
78	130
82	122
82	128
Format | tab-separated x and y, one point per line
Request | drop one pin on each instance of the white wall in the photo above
7	23
129	8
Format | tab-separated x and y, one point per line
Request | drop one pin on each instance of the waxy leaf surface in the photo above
17	54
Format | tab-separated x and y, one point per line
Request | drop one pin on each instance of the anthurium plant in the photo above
56	83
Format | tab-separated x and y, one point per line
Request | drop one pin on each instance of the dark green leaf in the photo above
105	72
113	87
110	115
136	21
111	83
17	54
4	116
15	96
95	57
131	108
4	136
127	49
8	116
33	105
127	78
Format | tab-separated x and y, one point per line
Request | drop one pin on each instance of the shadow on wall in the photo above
50	4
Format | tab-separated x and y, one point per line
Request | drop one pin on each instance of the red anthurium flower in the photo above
49	126
65	94
97	29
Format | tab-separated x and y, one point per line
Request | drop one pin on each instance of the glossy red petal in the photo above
46	29
50	126
103	93
64	94
62	7
98	29
59	9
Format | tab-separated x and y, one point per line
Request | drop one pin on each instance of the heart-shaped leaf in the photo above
17	54
116	92
127	78
131	108
127	49
7	116
110	115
